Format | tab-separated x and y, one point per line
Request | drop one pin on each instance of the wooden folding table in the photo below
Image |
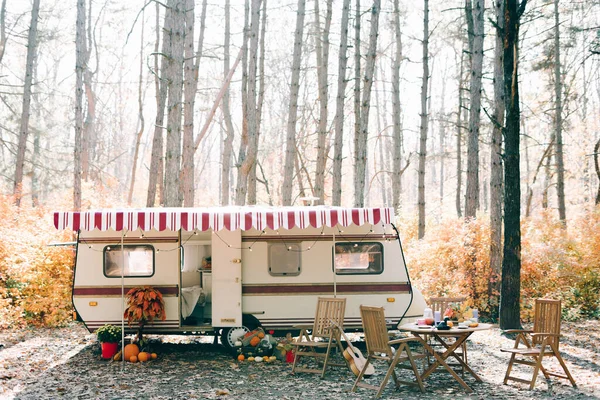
442	336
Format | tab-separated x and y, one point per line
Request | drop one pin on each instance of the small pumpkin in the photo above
133	359
241	357
261	335
117	357
143	356
153	356
131	349
254	341
258	359
250	358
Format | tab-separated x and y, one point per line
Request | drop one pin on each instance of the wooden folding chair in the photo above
379	346
540	342
441	304
323	335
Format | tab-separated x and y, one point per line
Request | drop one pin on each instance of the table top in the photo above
413	327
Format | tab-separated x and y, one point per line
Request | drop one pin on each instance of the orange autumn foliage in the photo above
35	279
453	260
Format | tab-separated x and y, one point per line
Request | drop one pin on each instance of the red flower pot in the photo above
109	349
289	356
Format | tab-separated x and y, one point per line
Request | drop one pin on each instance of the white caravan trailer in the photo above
231	269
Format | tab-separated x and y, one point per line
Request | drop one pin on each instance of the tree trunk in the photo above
357	73
259	103
175	35
322	50
290	143
597	166
24	128
140	132
160	84
459	127
228	143
476	38
510	294
496	176
189	95
89	125
423	128
79	66
339	108
2	30
241	184
360	158
397	113
560	164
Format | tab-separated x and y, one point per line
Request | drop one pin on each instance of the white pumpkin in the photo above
258	359
238	343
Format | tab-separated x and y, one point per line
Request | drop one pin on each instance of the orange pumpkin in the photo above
154	356
261	335
133	359
241	357
143	356
254	341
131	349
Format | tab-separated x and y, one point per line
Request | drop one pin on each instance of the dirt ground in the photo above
66	363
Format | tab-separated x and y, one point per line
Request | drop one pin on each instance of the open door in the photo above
227	278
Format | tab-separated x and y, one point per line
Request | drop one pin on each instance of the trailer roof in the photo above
218	218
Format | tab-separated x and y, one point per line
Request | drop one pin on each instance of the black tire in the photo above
249	323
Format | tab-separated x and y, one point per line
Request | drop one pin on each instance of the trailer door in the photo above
227	278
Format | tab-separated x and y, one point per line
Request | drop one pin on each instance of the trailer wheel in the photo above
230	335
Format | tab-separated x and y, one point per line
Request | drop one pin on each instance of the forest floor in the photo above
66	363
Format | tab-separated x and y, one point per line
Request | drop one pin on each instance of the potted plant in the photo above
144	305
109	337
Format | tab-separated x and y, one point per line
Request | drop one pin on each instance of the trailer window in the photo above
139	261
358	258
284	259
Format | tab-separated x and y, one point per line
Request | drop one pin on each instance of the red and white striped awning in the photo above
217	218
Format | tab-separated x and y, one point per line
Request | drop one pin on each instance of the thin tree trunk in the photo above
191	67
339	108
241	184
290	145
357	73
560	164
476	37
259	103
251	111
322	50
361	150
496	176
597	166
140	132
396	112
423	128
160	83
228	143
459	122
189	95
24	128
173	195
89	124
2	30
510	294
79	66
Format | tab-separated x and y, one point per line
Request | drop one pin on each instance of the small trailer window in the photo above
139	260
358	258
284	259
